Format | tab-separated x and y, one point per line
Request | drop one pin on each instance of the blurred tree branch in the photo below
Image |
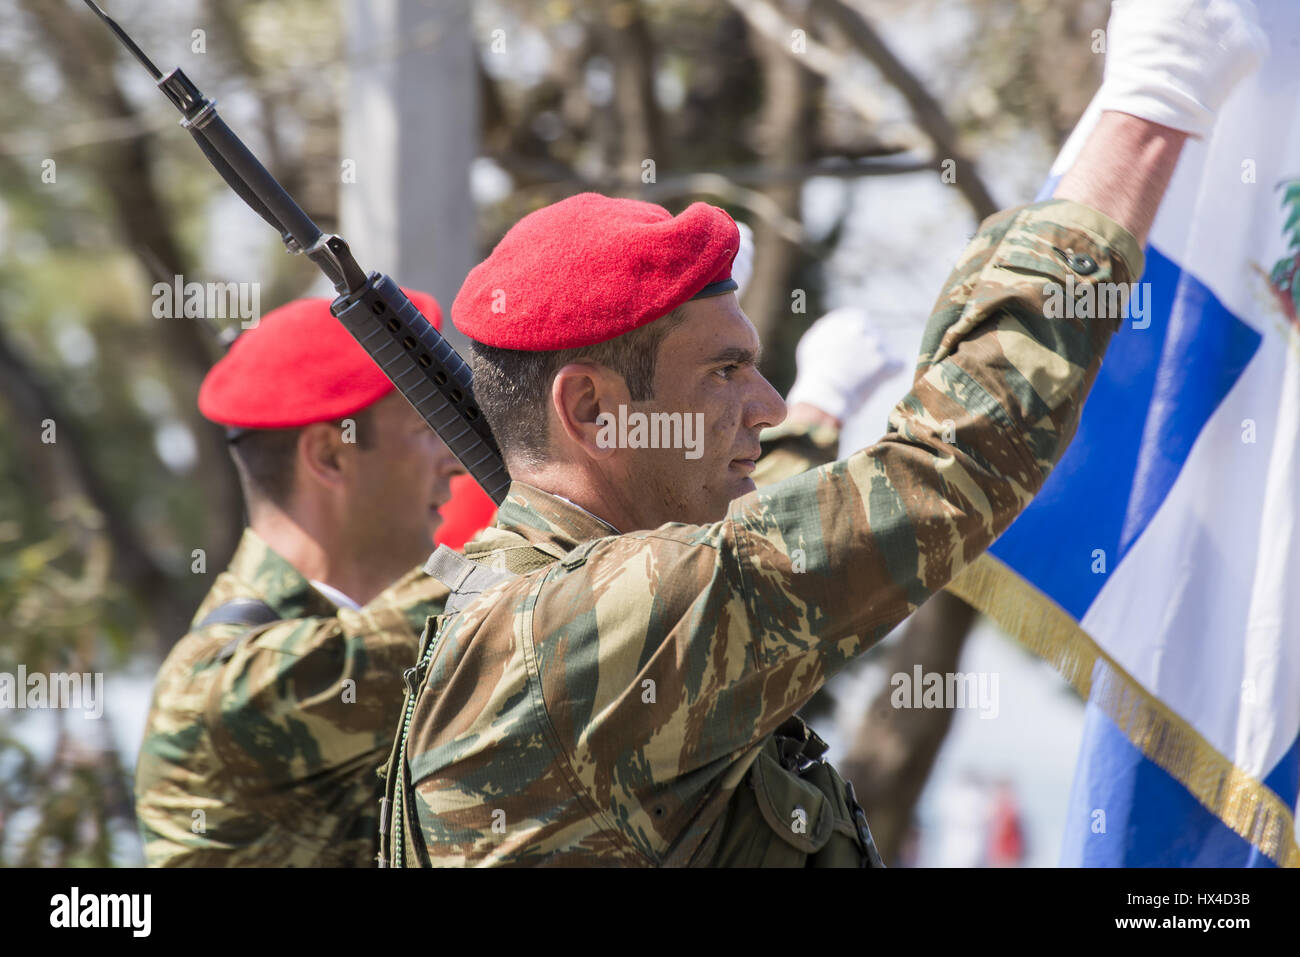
86	57
926	110
785	128
894	750
739	187
764	17
637	120
68	469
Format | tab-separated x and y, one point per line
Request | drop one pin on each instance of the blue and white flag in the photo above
1159	569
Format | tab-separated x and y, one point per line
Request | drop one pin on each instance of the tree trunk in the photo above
783	136
891	757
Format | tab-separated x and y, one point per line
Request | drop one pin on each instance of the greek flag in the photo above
1159	569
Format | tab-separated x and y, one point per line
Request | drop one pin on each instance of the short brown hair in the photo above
513	387
265	458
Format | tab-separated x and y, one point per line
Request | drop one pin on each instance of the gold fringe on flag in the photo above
1242	802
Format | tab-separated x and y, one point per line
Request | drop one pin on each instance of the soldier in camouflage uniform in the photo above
613	705
270	716
614	679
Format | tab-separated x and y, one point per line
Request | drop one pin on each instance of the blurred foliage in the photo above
98	526
105	489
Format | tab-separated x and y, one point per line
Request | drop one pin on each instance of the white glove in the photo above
742	268
1174	62
840	363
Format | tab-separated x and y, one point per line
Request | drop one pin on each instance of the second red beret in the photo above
297	366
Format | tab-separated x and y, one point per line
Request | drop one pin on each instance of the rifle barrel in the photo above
423	365
121	35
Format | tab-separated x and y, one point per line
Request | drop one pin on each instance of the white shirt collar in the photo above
334	595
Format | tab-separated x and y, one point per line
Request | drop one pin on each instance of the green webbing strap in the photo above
523	559
467	580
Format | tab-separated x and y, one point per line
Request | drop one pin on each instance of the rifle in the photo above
423	365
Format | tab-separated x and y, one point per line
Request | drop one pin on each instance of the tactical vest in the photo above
780	805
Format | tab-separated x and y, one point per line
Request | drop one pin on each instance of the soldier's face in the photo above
707	371
405	474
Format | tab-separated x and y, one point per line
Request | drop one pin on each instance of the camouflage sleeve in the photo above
297	721
597	704
829	561
415	597
315	696
304	697
794	447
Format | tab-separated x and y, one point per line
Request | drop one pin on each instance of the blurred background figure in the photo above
963	840
469	511
341	477
291	672
1006	846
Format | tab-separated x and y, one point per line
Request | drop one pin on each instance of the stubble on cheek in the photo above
672	485
722	484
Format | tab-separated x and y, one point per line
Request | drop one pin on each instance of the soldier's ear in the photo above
585	397
319	454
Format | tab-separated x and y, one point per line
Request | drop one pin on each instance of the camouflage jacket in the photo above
584	712
267	756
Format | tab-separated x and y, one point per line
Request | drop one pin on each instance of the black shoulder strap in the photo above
399	845
239	611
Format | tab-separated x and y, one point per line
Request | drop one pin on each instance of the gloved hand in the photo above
1174	62
840	362
742	269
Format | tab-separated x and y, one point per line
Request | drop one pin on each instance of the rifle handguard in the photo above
428	371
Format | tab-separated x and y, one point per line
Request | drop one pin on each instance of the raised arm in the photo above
1170	66
1123	171
830	561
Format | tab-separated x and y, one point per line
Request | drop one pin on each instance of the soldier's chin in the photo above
736	488
742	486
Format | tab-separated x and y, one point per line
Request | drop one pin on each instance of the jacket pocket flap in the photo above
794	808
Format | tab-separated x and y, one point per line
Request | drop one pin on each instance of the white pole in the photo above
409	135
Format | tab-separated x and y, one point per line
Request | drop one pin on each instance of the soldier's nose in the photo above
768	408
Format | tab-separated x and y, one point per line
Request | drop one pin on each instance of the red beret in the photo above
466	513
297	366
590	268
